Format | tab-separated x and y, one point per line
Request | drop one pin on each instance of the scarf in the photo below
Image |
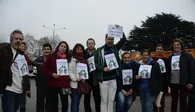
159	56
142	63
61	56
80	58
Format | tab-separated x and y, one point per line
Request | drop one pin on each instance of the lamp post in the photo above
53	31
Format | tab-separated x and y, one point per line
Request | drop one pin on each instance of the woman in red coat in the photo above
57	83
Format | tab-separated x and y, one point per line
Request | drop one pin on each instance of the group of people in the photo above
114	89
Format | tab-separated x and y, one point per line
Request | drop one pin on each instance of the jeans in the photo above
146	101
10	101
175	88
41	98
107	93
52	100
22	102
96	96
123	103
75	100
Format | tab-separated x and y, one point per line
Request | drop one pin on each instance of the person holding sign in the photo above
41	78
58	82
126	84
149	80
162	61
108	67
182	75
78	73
92	80
14	72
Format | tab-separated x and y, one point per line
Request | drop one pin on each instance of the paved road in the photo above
31	106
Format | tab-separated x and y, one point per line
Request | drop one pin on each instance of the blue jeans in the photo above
146	101
10	101
75	100
123	102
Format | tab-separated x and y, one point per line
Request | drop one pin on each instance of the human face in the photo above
22	47
109	41
79	50
145	57
159	50
126	58
62	48
46	51
176	47
91	44
16	40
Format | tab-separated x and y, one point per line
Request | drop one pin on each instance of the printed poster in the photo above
175	63
162	65
62	66
82	71
22	65
115	31
127	76
145	71
91	64
111	61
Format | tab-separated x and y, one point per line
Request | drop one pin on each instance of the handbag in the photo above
65	91
83	88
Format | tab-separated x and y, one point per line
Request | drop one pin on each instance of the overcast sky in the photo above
83	18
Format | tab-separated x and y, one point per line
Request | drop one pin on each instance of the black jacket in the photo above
187	68
164	76
6	59
41	79
155	81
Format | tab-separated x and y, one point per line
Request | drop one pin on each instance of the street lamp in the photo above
53	31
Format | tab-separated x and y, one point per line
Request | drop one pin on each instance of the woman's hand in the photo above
55	75
137	77
124	92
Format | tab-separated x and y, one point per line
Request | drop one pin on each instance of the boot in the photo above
22	109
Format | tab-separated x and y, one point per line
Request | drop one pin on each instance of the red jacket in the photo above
49	68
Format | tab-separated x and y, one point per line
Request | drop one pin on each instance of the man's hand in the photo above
55	75
189	86
106	69
137	77
124	92
130	92
28	94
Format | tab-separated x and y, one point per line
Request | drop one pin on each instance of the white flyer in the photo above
127	76
91	64
115	31
111	61
22	65
145	71
82	71
62	66
175	63
162	65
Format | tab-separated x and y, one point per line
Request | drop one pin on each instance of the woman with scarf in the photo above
126	84
162	61
149	80
77	57
182	75
57	83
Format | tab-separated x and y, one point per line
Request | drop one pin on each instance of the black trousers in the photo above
191	103
52	100
41	99
96	95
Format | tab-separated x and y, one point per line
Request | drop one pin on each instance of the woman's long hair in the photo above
68	56
74	54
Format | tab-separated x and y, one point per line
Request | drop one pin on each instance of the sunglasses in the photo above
18	39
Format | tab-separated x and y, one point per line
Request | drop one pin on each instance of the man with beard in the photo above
12	81
105	76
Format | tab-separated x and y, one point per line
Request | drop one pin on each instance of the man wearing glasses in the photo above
12	81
